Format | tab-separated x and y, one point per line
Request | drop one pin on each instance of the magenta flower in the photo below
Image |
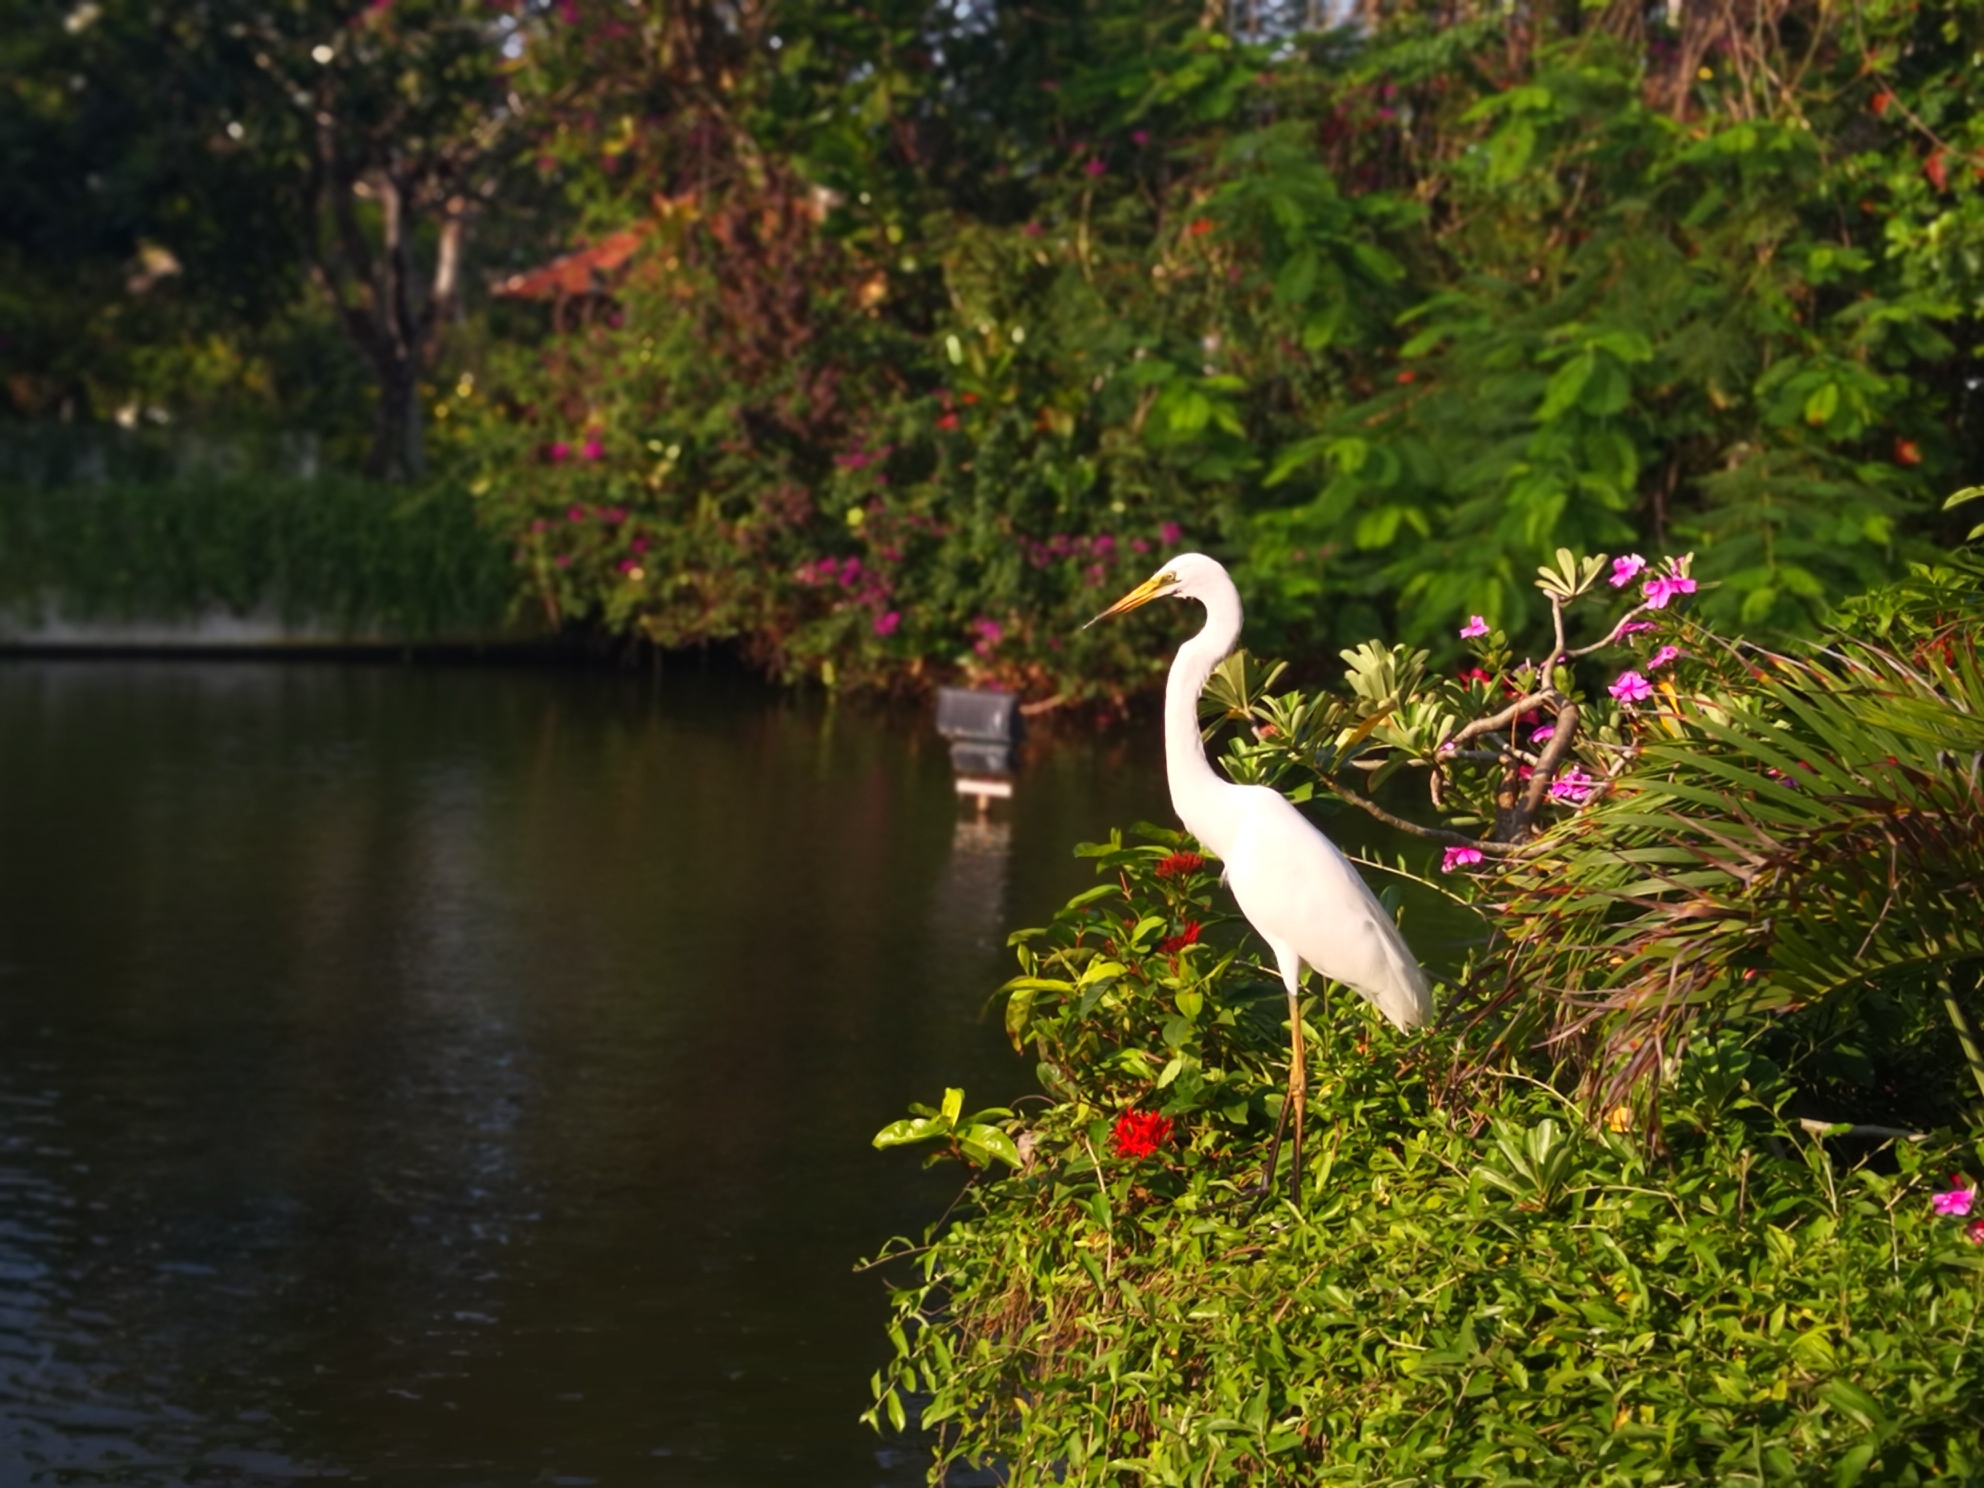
1956	1203
560	452
1547	731
1631	688
575	513
1659	591
1169	533
1459	857
1573	786
592	449
1637	627
1095	167
1139	136
1475	626
885	625
1625	569
1661	657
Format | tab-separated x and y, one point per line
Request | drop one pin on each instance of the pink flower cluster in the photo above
1100	552
1659	591
1626	569
1956	1203
989	632
1631	688
1573	787
860	459
594	448
861	583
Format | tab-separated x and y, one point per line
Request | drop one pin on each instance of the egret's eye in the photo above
1170	578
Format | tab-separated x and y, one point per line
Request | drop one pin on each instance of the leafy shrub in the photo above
1724	897
1499	1292
351	556
948	344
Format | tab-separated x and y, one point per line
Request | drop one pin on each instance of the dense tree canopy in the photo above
888	338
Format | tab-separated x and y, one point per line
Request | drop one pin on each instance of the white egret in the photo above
1301	894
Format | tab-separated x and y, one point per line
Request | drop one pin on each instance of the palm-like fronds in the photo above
1801	829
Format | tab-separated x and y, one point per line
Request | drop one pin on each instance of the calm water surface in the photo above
466	1076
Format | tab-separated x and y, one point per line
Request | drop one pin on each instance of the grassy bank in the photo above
339	556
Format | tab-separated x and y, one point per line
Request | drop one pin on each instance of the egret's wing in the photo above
1295	887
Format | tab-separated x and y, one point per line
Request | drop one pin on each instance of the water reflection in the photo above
466	1076
968	910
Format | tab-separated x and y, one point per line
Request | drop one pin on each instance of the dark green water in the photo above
465	1076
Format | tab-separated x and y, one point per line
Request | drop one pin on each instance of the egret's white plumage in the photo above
1296	889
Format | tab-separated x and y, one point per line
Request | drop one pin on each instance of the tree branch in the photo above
1430	834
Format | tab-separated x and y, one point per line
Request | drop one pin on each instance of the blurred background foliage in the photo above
887	342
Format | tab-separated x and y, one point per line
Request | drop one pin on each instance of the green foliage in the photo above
346	556
1388	318
1745	938
999	304
973	1137
1539	1301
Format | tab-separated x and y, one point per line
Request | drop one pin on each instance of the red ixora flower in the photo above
1140	1133
1179	862
1188	936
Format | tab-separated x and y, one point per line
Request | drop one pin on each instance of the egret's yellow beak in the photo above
1151	588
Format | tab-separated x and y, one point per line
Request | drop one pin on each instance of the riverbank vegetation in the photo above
886	343
1681	1187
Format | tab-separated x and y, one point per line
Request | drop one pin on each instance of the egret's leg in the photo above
1298	1076
1298	1086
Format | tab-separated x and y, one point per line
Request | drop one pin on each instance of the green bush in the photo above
1656	1201
342	555
943	351
1493	1290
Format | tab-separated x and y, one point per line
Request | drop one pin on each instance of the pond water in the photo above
464	1076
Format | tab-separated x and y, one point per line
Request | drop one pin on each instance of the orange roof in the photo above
583	271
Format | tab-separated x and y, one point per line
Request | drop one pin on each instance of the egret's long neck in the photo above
1195	788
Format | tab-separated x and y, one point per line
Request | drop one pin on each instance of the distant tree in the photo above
395	124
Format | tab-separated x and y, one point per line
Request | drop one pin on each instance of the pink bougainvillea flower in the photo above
1637	627
1475	626
1140	1133
1179	862
1661	657
1955	1203
1546	732
1659	591
1631	688
1573	786
1626	569
1459	857
885	624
